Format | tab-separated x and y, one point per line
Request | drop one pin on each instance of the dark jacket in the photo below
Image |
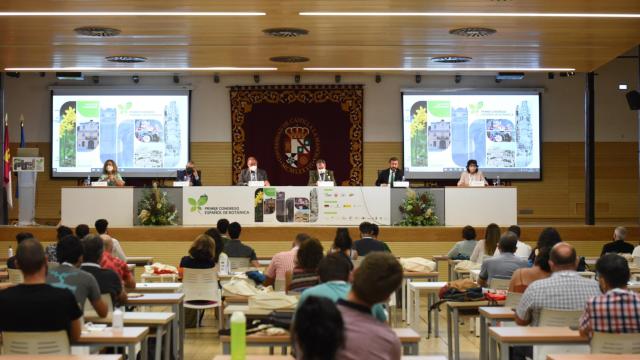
383	177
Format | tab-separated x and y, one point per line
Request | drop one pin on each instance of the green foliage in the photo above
154	209
418	210
68	138
419	137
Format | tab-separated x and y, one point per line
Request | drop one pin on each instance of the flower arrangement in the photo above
418	210
155	209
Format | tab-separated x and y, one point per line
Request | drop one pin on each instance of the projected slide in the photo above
147	135
443	131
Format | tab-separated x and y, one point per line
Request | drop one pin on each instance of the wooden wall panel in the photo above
558	198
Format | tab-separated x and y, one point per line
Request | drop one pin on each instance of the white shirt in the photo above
522	250
117	250
636	251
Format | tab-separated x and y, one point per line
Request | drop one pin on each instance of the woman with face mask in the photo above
110	174
472	176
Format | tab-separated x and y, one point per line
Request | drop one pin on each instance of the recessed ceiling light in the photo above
289	59
440	69
451	59
475	14
473	32
142	69
128	13
285	32
97	31
126	59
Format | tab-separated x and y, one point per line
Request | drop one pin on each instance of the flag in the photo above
22	144
7	163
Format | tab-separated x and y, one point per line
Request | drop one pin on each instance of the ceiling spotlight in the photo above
450	59
338	78
623	87
378	78
418	79
256	78
567	74
296	78
135	79
289	59
13	74
176	79
216	78
43	74
285	32
126	59
95	79
473	32
551	76
458	79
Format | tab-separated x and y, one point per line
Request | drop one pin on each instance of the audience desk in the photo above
489	316
127	337
407	278
158	287
61	357
432	289
453	327
176	301
505	337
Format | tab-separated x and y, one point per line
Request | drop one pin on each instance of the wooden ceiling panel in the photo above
170	41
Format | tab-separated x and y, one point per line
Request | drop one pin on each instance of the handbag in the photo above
417	264
273	301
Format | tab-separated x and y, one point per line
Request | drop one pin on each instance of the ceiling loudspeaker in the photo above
633	98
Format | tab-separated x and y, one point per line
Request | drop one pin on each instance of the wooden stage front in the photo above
169	244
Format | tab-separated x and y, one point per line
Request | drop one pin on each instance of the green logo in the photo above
196	205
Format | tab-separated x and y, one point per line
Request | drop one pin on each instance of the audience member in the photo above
486	247
34	306
284	261
111	262
565	289
202	254
236	249
503	265
522	278
367	243
378	276
551	236
102	228
305	273
618	245
67	275
20	237
618	309
333	272
61	231
463	249
318	330
523	250
223	228
107	279
343	246
218	240
82	230
375	231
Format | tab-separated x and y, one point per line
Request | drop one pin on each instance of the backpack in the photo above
459	291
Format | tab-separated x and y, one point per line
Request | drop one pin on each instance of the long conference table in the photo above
289	205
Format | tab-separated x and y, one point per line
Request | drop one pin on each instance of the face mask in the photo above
253	167
109	168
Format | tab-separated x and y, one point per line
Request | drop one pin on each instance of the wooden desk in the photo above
286	357
127	337
409	339
176	301
408	277
505	337
61	357
140	260
432	289
252	313
491	315
159	321
158	287
4	275
594	357
453	336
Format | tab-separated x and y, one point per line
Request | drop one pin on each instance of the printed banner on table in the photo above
286	205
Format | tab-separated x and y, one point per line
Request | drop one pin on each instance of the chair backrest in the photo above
15	276
587	274
280	285
499	284
239	263
89	311
35	343
513	299
200	284
559	318
606	343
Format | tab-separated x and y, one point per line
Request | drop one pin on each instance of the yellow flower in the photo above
144	215
419	121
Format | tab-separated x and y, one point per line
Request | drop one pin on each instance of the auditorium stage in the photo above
391	234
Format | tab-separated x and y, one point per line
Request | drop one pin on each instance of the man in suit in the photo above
190	174
252	173
320	174
388	176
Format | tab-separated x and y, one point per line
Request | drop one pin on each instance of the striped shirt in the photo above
281	263
617	311
563	290
302	279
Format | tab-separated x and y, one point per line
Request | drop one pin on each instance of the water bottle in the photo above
10	253
498	180
117	319
224	264
87	181
238	336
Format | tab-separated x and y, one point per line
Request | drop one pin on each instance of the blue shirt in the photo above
335	290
